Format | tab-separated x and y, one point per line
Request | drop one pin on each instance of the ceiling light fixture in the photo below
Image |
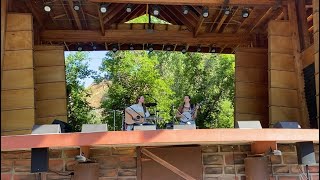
168	48
79	48
150	47
205	12
47	8
185	10
199	49
184	50
213	50
129	8
131	47
156	10
114	48
76	5
103	8
226	11
245	13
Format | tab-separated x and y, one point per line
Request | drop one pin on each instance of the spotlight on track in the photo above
114	48
79	48
76	5
185	10
131	47
156	10
150	47
199	49
184	50
245	13
168	48
213	50
47	8
103	8
205	12
227	11
129	8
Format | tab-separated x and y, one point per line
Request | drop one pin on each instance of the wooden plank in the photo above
49	58
279	28
282	79
19	40
55	90
49	120
281	62
75	14
251	90
166	164
50	74
277	114
13	60
307	56
49	108
47	48
142	36
252	60
251	75
280	44
17	99
4	5
16	132
18	119
316	22
303	24
17	79
250	106
317	83
193	2
316	42
283	97
316	63
19	22
253	50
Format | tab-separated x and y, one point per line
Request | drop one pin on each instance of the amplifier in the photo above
144	128
184	126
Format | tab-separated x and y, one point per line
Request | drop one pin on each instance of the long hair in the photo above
182	106
137	101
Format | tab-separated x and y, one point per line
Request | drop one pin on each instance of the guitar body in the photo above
131	117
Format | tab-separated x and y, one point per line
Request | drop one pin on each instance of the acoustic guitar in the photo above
131	117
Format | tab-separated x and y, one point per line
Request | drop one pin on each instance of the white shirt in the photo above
139	109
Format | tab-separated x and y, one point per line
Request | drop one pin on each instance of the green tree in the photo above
79	111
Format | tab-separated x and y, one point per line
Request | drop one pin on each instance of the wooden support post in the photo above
292	12
303	25
260	147
139	168
167	165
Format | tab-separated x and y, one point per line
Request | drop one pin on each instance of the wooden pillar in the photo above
3	29
293	19
315	4
303	25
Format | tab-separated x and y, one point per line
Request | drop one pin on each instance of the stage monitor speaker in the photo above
65	127
247	125
287	125
184	126
46	129
88	128
305	153
39	160
145	128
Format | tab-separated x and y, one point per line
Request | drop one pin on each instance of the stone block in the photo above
128	162
6	165
245	148
286	147
24	177
108	172
97	152
210	149
275	159
229	170
56	165
290	159
212	159
22	165
55	153
229	148
280	169
127	172
69	164
108	162
237	159
71	153
124	151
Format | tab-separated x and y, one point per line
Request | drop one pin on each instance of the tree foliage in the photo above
79	111
167	77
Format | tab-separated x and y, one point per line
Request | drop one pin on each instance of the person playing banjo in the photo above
187	112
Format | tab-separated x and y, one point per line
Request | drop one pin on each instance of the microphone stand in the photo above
157	112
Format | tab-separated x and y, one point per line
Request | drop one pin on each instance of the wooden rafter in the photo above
168	17
141	36
281	15
59	16
181	17
75	14
243	22
222	20
303	24
135	11
91	15
229	19
167	165
113	13
263	18
215	19
65	44
101	21
195	2
65	10
84	17
197	28
171	15
35	13
193	19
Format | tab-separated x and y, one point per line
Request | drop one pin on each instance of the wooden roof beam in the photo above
197	29
224	17
269	11
181	17
135	12
196	2
214	20
142	36
75	14
35	13
230	19
101	21
113	13
65	10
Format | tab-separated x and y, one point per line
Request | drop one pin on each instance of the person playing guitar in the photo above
187	112
137	112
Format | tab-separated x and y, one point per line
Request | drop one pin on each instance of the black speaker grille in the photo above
39	160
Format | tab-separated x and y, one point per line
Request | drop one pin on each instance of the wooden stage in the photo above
158	138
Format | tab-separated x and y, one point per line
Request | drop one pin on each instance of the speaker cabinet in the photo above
39	160
287	125
248	125
87	128
305	153
46	129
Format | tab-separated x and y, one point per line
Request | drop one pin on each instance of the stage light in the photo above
150	47
156	10
168	48
131	47
227	11
185	9
205	12
199	49
47	8
245	13
213	50
184	50
94	47
114	48
129	8
79	48
103	8
76	6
